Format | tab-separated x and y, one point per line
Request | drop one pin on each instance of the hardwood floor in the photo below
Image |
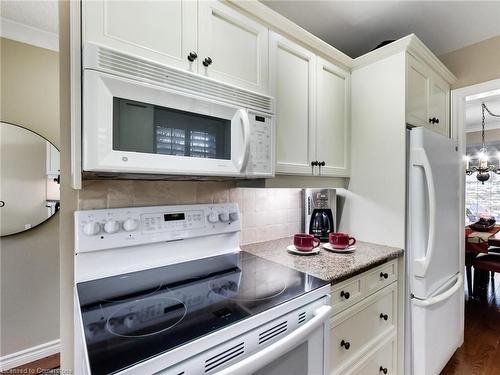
47	365
480	353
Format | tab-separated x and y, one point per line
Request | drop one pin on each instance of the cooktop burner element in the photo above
146	317
125	322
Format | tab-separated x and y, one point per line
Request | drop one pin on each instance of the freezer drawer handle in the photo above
385	275
384	316
346	295
440	297
345	344
267	355
383	369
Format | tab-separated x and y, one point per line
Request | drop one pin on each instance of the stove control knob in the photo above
233	216
213	217
224	216
130	225
91	229
111	226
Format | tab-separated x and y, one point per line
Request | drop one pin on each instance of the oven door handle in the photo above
279	348
245	123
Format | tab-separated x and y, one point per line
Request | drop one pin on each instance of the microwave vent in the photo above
145	70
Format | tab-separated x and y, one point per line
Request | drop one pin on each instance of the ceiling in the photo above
41	14
356	27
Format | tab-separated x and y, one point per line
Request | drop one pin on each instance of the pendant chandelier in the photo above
483	168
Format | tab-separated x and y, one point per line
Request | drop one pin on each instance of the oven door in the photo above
304	351
134	127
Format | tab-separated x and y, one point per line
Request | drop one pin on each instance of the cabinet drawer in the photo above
359	327
346	295
381	277
382	362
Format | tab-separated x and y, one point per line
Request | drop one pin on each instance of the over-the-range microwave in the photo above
140	117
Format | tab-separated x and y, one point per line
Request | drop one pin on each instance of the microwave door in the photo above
134	127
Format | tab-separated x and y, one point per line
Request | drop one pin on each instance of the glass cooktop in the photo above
133	317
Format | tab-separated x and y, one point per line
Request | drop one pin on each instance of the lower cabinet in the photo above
364	324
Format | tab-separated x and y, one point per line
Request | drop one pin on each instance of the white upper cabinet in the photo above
312	111
292	84
236	45
428	97
206	37
161	31
332	118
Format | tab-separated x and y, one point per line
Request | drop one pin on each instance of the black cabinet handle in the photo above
345	344
346	295
385	275
314	163
434	120
2	203
383	369
437	121
208	61
321	163
192	56
384	316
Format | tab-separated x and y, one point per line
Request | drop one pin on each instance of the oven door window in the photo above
141	127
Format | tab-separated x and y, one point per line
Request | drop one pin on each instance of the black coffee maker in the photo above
319	209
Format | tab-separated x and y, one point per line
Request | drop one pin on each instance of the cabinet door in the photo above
417	93
332	118
236	44
439	106
292	85
162	31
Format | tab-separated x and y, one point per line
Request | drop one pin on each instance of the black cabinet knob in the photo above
207	62
434	120
383	369
384	316
321	163
385	275
437	121
346	295
345	344
192	56
314	163
2	203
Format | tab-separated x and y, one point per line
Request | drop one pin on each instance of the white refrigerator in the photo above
434	326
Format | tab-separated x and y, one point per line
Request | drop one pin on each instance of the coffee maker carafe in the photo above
319	209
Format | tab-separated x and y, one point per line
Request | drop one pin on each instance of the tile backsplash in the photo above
266	213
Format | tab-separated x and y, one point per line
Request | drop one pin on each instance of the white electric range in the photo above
167	290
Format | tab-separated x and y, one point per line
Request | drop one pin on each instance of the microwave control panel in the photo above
260	161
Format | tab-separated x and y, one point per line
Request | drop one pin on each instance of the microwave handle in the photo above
265	356
245	123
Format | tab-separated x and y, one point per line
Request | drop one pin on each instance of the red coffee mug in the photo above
341	240
305	242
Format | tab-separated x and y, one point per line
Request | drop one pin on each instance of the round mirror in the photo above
29	179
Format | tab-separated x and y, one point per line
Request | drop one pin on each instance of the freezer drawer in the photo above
436	329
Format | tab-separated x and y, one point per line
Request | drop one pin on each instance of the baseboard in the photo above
25	356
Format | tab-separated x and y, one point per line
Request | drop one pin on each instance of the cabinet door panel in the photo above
417	93
332	121
237	45
162	31
292	81
439	106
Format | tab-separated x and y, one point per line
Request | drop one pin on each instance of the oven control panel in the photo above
122	227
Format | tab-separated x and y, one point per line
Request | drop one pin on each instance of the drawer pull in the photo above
345	344
383	369
385	275
346	295
384	316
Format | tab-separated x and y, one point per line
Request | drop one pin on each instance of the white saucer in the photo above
329	247
293	250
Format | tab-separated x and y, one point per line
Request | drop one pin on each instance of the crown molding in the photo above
27	34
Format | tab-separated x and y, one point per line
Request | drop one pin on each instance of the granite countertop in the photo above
329	266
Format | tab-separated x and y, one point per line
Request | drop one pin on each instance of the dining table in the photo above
479	242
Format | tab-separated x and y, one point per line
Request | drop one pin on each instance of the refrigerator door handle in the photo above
440	297
420	160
